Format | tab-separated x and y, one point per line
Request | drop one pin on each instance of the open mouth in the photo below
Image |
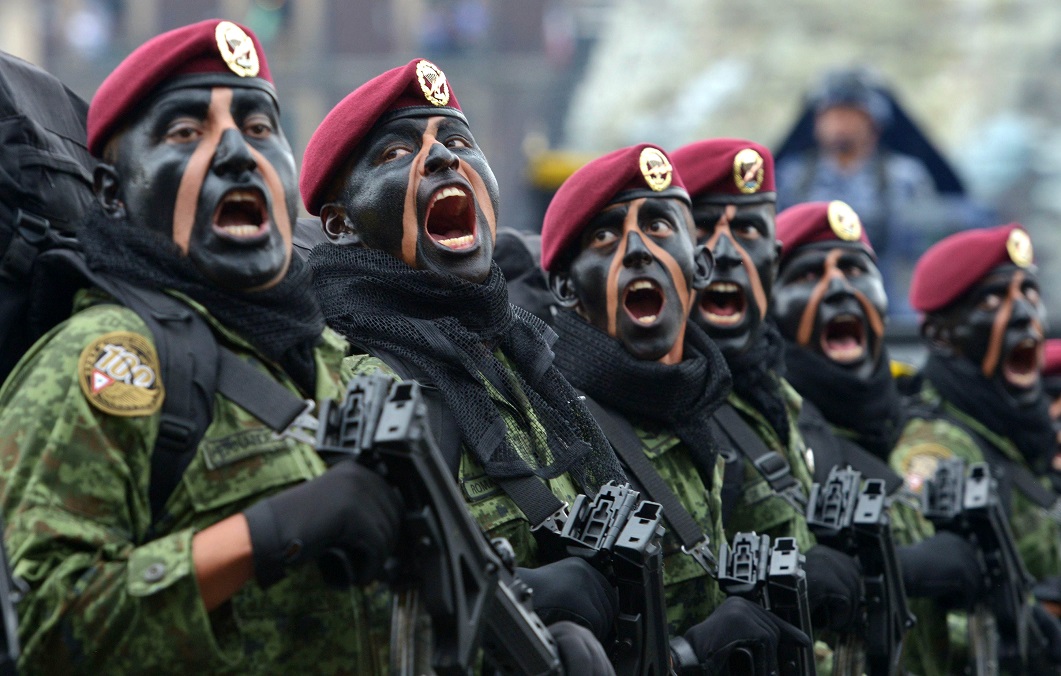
1021	368
450	219
723	304
844	339
242	215
643	301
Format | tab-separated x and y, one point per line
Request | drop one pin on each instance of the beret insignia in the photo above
656	169
748	171
237	49
1019	247
118	373
844	221
433	83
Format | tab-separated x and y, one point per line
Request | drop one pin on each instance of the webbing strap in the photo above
628	447
771	465
254	391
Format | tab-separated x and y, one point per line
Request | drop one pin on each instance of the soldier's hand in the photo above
349	516
834	588
572	590
744	632
943	567
580	651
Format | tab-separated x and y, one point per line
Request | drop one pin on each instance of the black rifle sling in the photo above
530	494
1013	473
193	366
628	447
771	465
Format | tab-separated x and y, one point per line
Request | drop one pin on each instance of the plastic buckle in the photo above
702	554
304	427
554	523
772	466
794	496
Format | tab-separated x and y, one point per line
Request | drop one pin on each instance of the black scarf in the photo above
679	397
960	382
756	371
284	322
450	327
870	408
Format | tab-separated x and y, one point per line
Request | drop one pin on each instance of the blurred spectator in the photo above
854	143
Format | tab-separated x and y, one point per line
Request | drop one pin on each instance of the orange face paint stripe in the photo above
806	321
998	326
280	212
612	289
410	221
756	284
218	119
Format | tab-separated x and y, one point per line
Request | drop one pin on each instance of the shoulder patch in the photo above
920	463
118	373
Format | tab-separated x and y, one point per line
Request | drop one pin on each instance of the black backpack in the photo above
45	187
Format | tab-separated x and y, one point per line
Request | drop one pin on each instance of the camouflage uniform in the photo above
489	504
924	442
758	508
111	594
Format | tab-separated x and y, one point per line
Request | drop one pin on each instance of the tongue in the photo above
842	343
450	233
643	304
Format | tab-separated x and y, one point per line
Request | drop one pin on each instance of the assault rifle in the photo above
620	535
1000	627
853	518
773	578
445	564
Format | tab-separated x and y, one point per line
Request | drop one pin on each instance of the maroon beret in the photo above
813	222
1052	357
955	264
419	88
219	53
727	171
620	176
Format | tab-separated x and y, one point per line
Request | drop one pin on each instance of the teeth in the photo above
725	287
457	242
448	192
242	196
642	284
647	319
845	319
724	320
242	230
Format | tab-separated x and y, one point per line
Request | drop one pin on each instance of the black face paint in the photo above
634	275
421	190
831	300
999	327
743	240
211	169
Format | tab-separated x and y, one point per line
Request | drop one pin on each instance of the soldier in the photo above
408	202
197	196
830	306
769	468
617	244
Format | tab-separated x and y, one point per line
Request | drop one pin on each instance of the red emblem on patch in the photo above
100	381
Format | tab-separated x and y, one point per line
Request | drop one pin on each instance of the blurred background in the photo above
549	84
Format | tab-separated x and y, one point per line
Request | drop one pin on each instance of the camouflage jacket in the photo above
492	508
758	508
925	441
78	422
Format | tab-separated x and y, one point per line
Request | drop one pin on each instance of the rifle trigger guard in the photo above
702	554
304	427
554	523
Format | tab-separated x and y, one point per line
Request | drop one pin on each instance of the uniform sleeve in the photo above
73	484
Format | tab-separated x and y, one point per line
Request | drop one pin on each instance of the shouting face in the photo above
830	300
211	169
742	238
635	275
999	326
421	190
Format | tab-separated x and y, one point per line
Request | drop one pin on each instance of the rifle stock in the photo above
444	564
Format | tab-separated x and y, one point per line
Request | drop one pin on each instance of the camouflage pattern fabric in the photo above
492	508
107	595
758	508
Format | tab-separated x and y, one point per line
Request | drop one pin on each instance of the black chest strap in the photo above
628	447
770	464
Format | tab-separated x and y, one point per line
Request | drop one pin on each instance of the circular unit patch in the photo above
118	373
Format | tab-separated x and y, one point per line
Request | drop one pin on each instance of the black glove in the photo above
1048	589
349	513
943	567
740	624
1050	628
834	588
571	589
580	651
